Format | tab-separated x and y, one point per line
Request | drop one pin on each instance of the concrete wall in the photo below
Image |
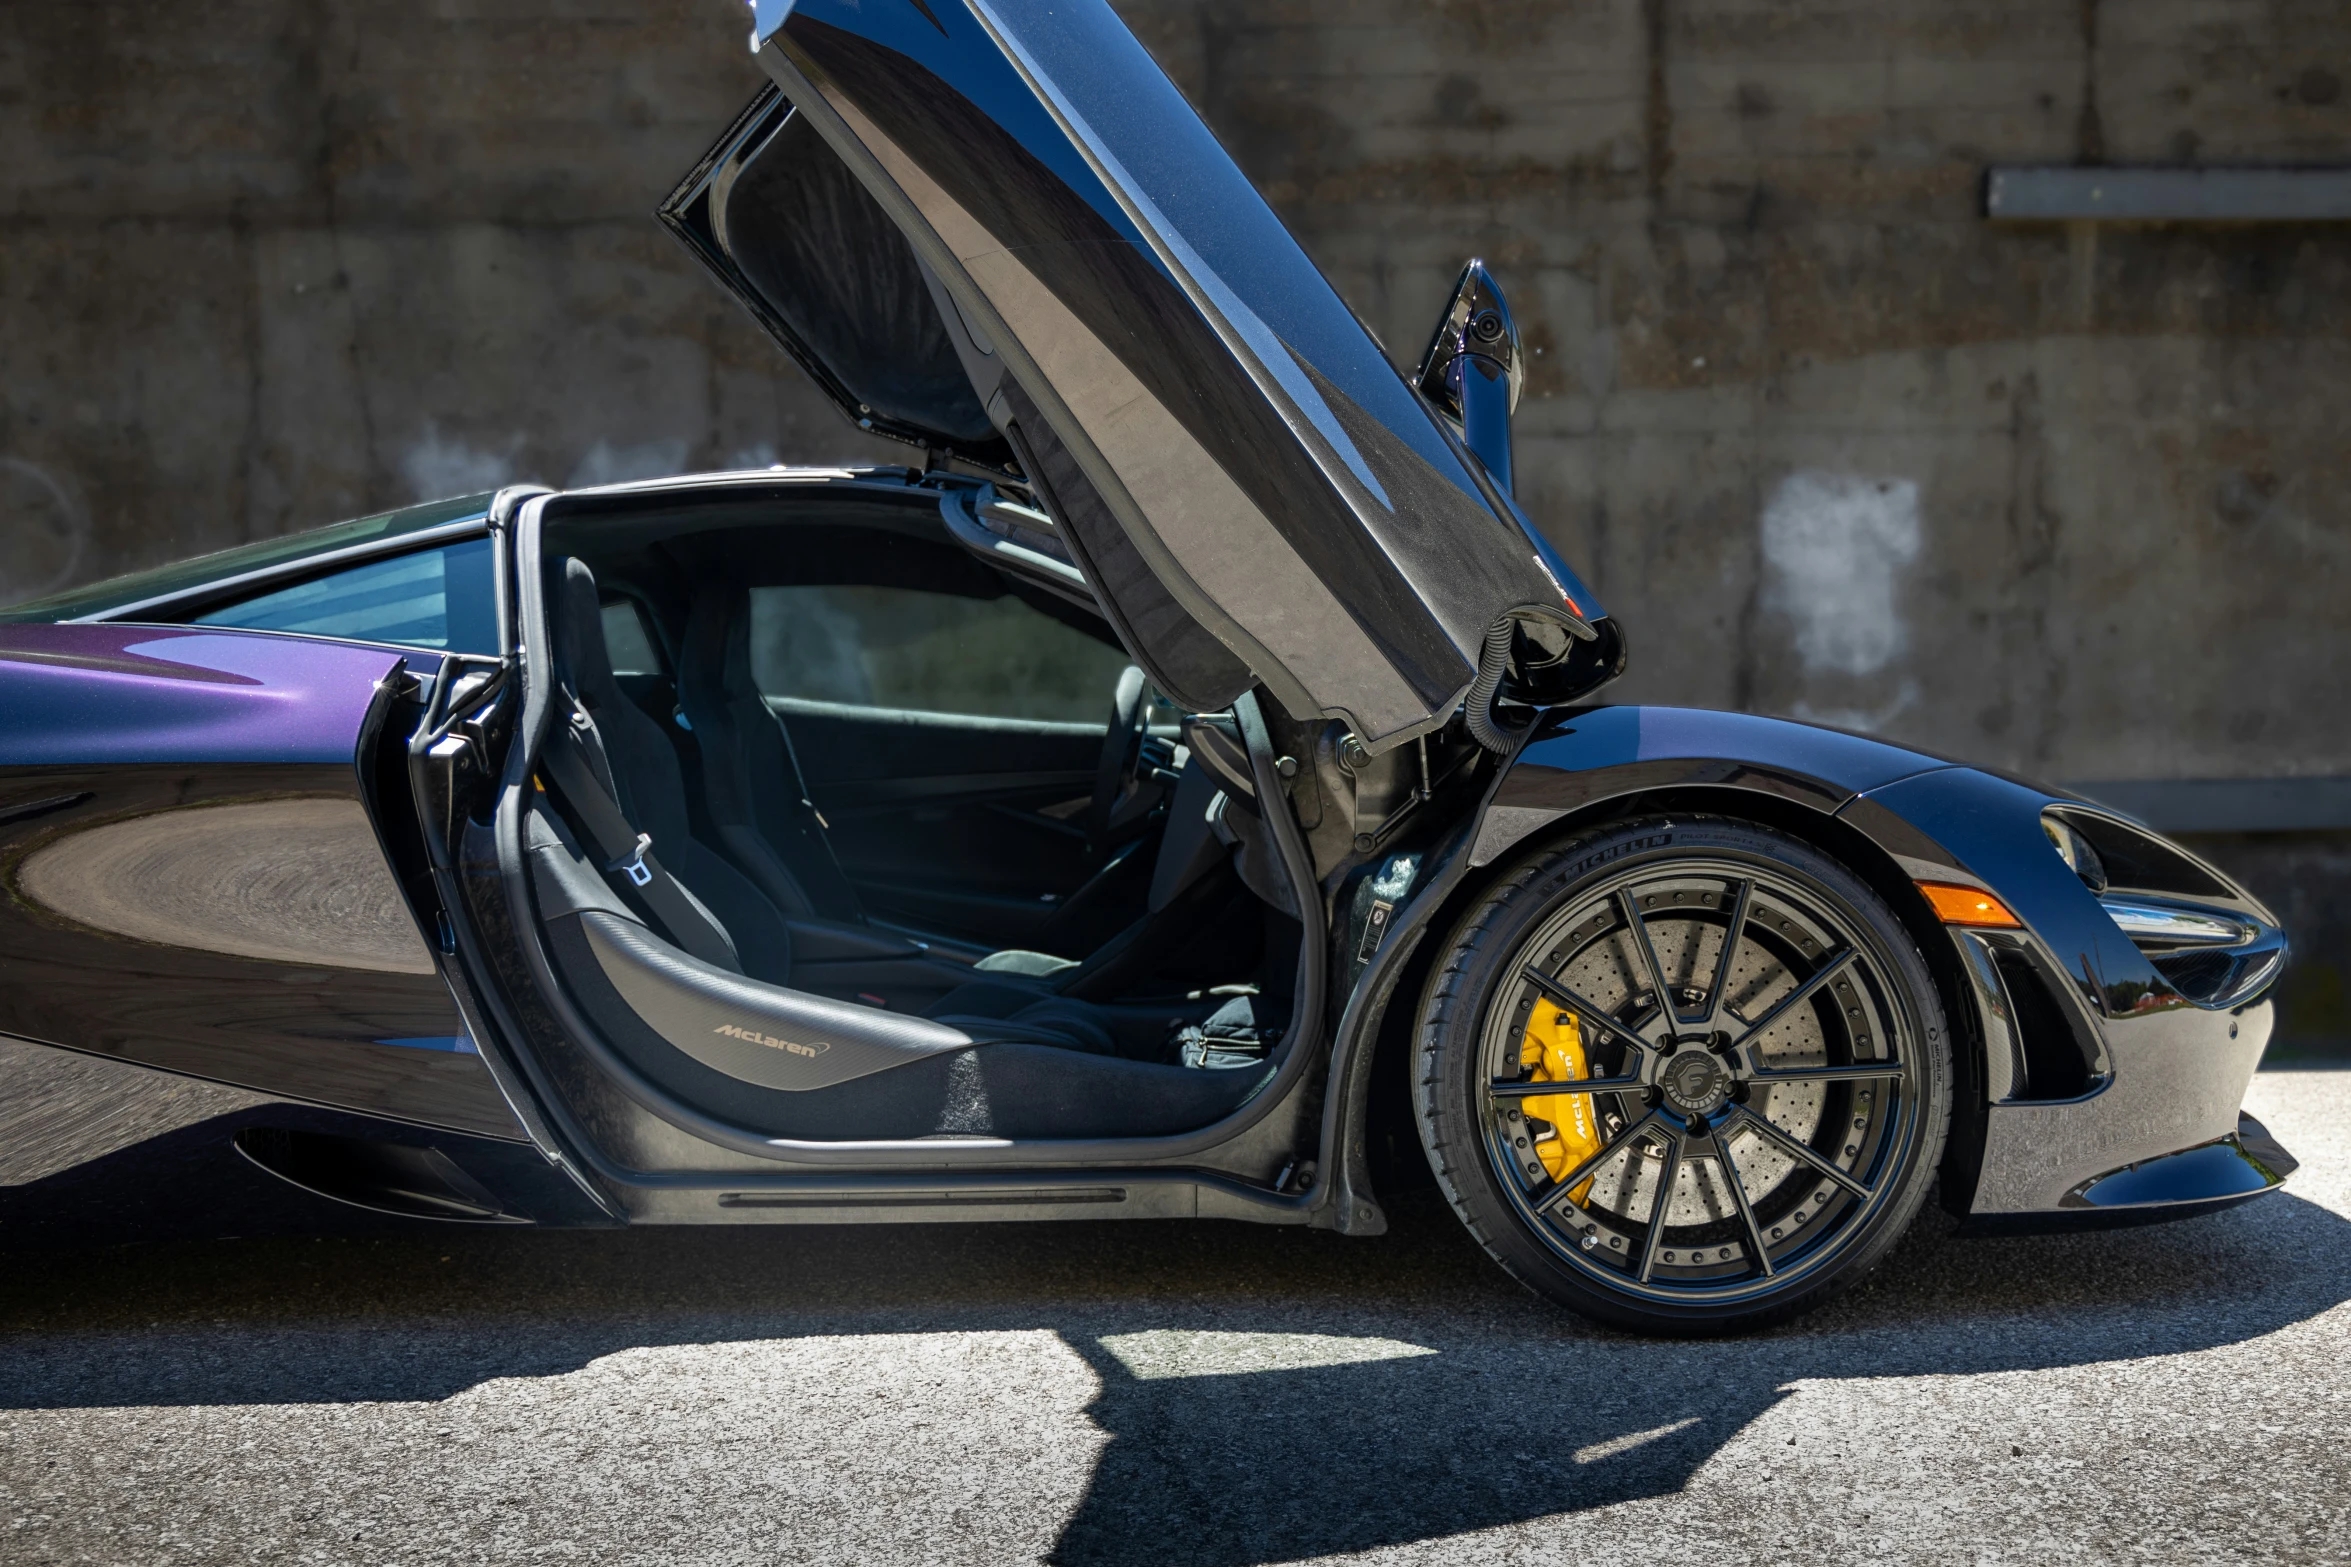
267	263
2068	499
1831	444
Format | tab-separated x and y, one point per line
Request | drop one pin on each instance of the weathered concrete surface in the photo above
2067	500
1150	1393
265	263
1830	443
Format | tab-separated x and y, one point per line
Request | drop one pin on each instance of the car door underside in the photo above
837	831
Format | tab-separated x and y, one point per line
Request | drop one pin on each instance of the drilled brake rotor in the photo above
1697	1103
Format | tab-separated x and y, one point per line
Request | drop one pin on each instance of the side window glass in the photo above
443	599
628	640
928	652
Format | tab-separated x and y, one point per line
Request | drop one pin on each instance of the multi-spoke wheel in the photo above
1684	1076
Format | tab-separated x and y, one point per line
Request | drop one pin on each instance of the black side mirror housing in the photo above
1475	369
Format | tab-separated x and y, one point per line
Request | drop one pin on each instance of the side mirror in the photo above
1474	369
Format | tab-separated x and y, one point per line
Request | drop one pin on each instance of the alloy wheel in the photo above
1744	1081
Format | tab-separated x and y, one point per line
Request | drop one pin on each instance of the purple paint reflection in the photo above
93	694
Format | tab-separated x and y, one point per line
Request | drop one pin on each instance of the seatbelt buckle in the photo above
634	867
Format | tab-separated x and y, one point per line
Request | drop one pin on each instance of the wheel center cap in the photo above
1695	1082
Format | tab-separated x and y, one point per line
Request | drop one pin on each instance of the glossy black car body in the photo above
339	889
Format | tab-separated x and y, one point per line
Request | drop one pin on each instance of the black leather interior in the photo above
942	819
650	787
753	788
791	1064
783	1059
759	1033
756	785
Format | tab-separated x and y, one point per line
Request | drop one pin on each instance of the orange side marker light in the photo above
1968	906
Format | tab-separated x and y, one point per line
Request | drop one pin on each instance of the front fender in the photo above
2163	1075
1575	763
1576	759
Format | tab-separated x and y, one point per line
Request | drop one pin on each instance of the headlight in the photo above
2159	927
2075	851
2205	935
2207	955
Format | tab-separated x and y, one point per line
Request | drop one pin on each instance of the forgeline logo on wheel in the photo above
753	1036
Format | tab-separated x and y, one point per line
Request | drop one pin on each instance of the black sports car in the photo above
752	847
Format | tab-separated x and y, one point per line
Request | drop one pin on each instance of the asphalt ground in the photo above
1201	1393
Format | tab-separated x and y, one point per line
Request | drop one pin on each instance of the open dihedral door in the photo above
1254	491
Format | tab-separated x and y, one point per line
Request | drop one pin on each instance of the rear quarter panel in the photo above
189	878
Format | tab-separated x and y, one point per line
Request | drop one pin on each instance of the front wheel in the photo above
1760	1071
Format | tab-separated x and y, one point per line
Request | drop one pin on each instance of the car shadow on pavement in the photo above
1275	1465
1266	1394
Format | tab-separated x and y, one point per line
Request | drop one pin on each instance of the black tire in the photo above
1816	1070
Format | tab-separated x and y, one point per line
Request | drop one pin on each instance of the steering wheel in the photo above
1119	772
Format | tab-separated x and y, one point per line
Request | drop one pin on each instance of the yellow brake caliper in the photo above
1554	1047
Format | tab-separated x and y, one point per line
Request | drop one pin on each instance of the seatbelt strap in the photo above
629	853
812	823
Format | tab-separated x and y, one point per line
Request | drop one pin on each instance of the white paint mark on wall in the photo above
606	463
436	467
1862	720
1834	549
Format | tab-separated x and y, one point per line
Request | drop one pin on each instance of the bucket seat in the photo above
620	778
753	789
677	975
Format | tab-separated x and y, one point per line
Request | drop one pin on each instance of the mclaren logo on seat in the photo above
753	1036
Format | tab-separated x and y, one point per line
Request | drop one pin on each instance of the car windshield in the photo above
97	598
